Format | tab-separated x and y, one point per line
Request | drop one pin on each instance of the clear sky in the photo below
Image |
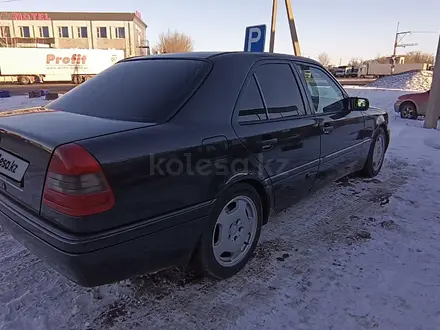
342	28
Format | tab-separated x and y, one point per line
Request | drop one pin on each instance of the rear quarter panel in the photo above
419	99
153	172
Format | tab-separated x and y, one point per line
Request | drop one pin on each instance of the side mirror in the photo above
358	104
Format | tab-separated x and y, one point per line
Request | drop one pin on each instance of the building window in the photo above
63	31
25	32
5	32
82	32
120	33
102	32
44	31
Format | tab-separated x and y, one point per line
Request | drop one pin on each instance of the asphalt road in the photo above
25	89
63	87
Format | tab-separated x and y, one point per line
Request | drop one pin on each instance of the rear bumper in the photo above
155	251
397	106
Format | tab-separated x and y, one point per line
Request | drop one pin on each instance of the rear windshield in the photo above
137	90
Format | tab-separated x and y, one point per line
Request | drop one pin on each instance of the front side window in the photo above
280	90
250	106
63	32
325	94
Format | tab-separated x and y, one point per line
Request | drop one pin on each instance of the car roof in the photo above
252	56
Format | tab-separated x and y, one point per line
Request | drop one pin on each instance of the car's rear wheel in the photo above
232	233
408	110
376	155
24	80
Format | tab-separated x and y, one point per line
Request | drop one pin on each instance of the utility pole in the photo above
433	110
398	44
292	26
393	57
273	25
293	33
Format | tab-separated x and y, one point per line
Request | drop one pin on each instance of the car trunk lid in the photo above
28	138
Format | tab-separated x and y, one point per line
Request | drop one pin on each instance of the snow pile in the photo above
412	80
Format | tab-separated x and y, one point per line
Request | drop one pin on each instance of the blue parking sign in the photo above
255	38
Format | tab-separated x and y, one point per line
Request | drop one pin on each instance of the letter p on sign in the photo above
255	38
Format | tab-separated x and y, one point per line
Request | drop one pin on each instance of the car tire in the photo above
376	154
234	222
24	80
408	110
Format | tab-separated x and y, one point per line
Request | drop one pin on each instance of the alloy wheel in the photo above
235	231
378	152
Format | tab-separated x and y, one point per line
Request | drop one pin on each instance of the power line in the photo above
4	1
433	32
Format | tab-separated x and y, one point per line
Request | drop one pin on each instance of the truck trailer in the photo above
31	65
342	71
385	69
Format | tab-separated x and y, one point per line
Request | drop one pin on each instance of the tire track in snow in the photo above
37	297
304	232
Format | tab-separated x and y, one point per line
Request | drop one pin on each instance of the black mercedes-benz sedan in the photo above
177	159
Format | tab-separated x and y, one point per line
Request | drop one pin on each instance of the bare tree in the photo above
173	42
324	59
419	57
355	61
382	59
410	58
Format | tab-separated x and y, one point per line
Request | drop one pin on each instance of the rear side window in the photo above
139	90
250	106
280	90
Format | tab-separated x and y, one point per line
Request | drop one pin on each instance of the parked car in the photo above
411	106
178	158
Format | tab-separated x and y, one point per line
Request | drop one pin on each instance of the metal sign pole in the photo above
433	110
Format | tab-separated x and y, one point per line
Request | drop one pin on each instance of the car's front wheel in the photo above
231	234
376	155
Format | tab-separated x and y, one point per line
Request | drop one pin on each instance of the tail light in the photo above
75	183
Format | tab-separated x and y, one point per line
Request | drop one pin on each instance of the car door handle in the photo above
267	145
269	141
327	129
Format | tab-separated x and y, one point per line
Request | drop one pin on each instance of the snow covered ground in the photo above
358	254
